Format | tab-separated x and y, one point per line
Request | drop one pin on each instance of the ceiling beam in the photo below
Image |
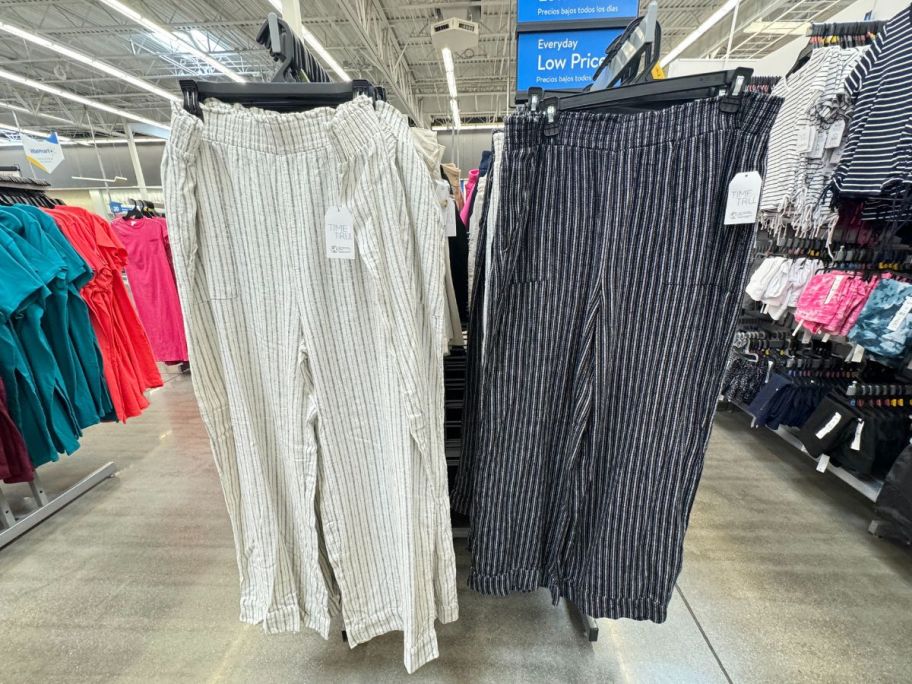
383	51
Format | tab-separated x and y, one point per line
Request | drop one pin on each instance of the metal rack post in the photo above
12	528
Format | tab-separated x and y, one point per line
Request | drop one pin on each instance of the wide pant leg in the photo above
311	385
617	288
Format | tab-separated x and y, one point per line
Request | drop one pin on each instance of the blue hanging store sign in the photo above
574	10
561	43
561	60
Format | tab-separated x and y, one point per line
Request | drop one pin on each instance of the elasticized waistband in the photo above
641	129
352	128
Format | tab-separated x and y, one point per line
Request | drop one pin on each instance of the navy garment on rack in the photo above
596	393
768	400
785	400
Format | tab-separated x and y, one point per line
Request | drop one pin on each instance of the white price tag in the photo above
806	337
829	427
834	135
817	148
743	198
837	281
825	338
340	233
450	217
806	138
822	463
857	354
900	317
856	440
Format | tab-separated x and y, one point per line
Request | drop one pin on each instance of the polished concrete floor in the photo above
136	581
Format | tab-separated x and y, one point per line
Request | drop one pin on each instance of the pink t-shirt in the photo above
153	286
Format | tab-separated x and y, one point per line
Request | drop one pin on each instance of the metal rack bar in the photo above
13	529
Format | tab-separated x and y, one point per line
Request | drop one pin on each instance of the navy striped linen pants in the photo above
614	301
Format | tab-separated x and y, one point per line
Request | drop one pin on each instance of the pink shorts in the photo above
832	301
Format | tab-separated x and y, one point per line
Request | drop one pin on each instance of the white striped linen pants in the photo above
319	380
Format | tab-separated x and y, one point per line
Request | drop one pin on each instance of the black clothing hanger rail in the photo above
288	92
278	97
731	85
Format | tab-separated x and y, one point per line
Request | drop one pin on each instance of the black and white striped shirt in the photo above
878	153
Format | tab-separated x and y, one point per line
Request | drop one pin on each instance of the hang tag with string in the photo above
743	198
856	440
450	217
834	135
829	427
340	233
818	146
900	317
857	354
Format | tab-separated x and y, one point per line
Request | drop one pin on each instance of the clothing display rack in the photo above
14	189
140	207
19	190
11	527
843	34
867	487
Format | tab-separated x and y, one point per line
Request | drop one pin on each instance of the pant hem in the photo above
287	620
595	605
420	650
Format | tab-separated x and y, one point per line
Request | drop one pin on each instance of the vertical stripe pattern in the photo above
615	299
319	380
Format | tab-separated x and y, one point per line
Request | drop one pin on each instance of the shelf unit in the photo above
869	487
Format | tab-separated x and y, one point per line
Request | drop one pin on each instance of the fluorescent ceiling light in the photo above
172	40
316	45
26	110
471	126
454	109
692	38
67	95
87	60
179	42
450	71
116	179
118	141
32	131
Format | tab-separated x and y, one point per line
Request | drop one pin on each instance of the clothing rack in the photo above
867	487
18	190
856	33
763	84
11	527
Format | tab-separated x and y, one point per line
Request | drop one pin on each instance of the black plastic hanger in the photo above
730	84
